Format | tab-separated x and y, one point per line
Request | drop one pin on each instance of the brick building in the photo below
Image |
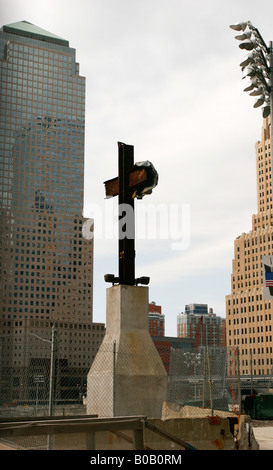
249	316
201	325
156	320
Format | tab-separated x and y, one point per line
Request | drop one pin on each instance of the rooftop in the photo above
24	28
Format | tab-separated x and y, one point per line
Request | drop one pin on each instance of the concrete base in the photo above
127	377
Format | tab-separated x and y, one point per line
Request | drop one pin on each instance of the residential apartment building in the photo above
201	325
164	344
156	320
46	270
249	316
167	347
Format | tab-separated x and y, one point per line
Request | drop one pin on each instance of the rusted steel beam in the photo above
136	177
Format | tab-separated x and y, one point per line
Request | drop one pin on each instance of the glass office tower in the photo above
42	169
46	272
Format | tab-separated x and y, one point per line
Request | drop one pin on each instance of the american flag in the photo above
269	279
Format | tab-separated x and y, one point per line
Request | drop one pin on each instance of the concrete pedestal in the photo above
127	376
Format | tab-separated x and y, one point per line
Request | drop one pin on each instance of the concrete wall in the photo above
198	432
203	433
133	381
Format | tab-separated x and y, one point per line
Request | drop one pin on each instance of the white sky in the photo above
164	76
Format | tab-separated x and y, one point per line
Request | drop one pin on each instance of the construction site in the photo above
203	405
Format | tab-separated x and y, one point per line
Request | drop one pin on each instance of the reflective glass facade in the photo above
46	264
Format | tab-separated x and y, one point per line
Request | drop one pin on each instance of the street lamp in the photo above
258	68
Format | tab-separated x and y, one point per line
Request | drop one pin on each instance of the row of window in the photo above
246	319
43	324
17	47
260	329
251	340
249	298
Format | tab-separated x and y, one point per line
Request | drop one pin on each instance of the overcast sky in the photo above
164	76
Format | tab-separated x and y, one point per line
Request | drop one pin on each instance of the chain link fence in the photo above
127	379
198	378
36	379
205	378
46	385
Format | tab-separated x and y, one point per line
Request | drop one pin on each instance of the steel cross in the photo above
132	181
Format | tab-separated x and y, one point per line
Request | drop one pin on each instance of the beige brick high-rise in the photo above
249	319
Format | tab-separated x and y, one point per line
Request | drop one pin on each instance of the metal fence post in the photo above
251	372
114	378
204	377
239	383
52	372
138	439
210	381
51	383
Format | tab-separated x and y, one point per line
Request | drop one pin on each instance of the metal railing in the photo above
89	425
